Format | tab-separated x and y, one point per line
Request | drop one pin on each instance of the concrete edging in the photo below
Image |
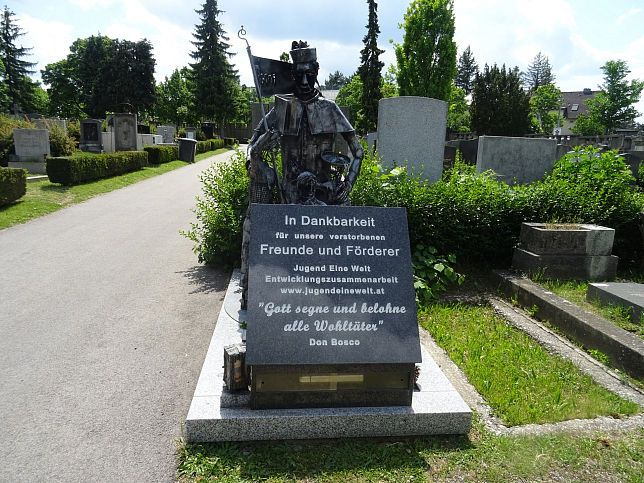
625	350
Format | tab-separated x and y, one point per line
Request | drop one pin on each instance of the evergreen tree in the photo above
427	57
336	80
19	87
539	73
369	71
215	79
500	106
466	71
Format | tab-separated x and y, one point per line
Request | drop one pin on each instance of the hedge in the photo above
71	170
161	154
13	184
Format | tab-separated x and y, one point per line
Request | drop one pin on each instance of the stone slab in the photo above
412	129
31	144
625	349
216	415
627	295
566	267
583	239
516	160
34	168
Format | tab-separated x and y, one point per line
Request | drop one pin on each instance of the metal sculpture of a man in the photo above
304	126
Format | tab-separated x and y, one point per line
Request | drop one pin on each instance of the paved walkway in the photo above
105	319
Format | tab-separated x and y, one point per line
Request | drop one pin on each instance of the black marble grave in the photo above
331	311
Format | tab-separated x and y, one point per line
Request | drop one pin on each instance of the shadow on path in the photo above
207	279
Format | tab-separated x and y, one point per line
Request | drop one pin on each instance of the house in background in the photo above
572	105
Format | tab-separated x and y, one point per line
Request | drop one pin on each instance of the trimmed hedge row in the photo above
209	145
13	184
161	154
71	170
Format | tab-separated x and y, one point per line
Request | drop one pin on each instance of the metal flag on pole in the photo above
270	77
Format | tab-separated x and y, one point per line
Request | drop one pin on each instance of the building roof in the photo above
574	103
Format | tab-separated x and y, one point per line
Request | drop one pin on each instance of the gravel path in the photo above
105	318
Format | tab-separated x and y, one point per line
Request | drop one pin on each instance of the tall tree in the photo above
427	57
614	107
216	83
500	106
175	101
544	106
336	80
539	73
466	71
100	75
369	70
19	87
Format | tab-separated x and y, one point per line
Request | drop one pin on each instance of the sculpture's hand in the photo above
267	141
342	192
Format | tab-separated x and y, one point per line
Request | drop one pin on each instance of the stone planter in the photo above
566	252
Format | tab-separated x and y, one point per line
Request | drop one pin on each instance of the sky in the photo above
577	36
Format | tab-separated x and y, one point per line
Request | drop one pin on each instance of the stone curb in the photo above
625	349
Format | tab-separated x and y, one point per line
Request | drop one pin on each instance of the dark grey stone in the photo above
91	139
187	150
323	292
627	295
124	132
566	267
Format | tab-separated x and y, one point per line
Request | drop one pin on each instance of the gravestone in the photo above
372	140
124	132
46	123
31	144
413	129
167	132
331	311
187	149
515	159
143	129
191	133
630	296
91	137
108	141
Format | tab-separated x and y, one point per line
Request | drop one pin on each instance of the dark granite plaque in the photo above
330	285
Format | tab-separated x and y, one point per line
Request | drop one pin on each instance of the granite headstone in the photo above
331	298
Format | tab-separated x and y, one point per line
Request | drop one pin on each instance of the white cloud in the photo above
48	39
624	16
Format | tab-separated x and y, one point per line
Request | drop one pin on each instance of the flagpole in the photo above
241	34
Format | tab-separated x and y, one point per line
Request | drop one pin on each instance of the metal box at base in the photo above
336	385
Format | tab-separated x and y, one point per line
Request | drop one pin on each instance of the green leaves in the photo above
432	273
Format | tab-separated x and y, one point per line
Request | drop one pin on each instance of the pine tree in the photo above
467	69
427	57
336	80
500	106
215	79
369	71
539	73
19	87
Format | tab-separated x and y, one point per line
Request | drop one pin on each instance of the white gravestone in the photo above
31	144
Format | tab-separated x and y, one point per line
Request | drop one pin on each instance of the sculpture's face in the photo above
305	74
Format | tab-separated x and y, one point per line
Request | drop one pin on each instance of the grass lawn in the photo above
575	292
481	456
520	380
44	197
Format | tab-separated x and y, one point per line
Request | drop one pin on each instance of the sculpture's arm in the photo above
358	154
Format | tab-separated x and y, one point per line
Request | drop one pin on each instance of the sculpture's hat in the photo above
301	52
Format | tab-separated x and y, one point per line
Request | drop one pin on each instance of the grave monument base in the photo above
218	415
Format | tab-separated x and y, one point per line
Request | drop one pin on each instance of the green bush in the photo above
73	130
13	184
84	167
230	141
161	154
60	143
220	212
203	146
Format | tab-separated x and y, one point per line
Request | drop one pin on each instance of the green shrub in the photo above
217	143
13	184
230	141
84	167
161	154
60	143
7	125
220	212
73	130
203	146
